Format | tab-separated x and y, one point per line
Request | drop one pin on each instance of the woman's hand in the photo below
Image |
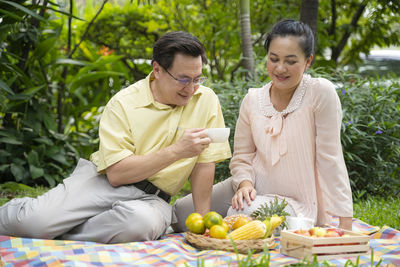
245	191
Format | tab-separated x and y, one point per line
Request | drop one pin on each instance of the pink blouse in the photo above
296	153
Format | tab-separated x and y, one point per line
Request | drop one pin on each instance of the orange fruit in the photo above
218	231
226	226
240	222
196	226
212	218
192	216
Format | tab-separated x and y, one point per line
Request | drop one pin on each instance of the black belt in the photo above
149	188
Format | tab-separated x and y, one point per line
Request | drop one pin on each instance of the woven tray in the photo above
242	246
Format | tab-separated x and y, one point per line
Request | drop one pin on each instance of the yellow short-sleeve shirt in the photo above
133	123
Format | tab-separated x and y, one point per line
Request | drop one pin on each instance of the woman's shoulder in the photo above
257	92
254	95
322	84
322	91
254	91
322	88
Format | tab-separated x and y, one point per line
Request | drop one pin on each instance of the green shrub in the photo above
371	132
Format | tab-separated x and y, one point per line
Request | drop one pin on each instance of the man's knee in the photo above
141	226
18	220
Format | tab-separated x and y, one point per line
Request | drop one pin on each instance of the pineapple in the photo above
230	220
273	209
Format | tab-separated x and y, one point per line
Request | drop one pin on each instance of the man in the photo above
152	140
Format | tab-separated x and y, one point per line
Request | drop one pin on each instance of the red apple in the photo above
331	233
339	231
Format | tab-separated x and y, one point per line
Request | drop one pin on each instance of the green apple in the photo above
317	231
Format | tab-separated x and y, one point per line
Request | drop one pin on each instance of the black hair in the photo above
171	43
296	28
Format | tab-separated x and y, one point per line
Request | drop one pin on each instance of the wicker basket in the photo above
242	246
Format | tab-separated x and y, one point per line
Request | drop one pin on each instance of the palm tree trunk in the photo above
247	46
309	15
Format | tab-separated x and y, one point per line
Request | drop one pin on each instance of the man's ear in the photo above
156	69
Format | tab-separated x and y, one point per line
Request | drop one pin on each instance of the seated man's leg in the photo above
81	196
221	200
143	219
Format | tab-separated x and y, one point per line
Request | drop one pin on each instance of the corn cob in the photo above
268	226
276	221
252	230
272	223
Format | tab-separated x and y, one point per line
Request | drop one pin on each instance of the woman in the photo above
287	140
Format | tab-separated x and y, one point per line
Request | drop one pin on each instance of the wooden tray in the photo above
325	248
242	246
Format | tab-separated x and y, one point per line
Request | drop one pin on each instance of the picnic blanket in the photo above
172	250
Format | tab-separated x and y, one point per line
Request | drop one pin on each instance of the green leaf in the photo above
5	87
92	76
70	62
44	140
33	90
27	94
65	13
36	172
4	167
11	15
50	122
27	11
17	171
10	140
44	47
50	180
33	158
61	159
4	153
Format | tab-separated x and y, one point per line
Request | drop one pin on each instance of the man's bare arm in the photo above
202	180
136	168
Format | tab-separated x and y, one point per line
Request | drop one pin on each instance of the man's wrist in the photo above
171	151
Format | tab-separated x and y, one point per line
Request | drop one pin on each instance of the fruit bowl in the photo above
242	246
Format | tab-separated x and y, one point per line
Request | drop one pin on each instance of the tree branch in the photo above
352	26
87	29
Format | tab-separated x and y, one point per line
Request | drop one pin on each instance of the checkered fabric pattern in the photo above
171	250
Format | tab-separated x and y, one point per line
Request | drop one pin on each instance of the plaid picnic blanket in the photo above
170	250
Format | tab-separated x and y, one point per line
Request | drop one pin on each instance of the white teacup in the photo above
218	135
296	223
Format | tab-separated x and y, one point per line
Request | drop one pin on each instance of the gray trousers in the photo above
221	200
86	207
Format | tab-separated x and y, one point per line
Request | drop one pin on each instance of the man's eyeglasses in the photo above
187	81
